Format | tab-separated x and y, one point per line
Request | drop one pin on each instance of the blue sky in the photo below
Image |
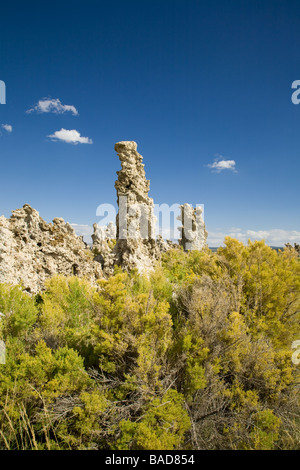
192	82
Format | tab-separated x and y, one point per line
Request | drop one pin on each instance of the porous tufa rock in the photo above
125	145
193	231
103	242
135	246
32	251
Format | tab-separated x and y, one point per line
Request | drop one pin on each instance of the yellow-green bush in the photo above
195	356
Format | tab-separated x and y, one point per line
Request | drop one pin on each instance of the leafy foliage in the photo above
195	356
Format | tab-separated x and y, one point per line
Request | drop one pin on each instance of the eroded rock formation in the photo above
136	246
193	232
32	250
104	241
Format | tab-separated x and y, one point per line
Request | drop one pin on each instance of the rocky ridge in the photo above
32	250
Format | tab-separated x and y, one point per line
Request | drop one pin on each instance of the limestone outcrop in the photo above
32	250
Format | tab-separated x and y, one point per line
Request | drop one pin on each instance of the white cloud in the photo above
7	127
220	164
272	237
70	136
47	105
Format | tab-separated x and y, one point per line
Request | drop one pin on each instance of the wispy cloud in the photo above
219	164
47	105
7	127
70	136
272	237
